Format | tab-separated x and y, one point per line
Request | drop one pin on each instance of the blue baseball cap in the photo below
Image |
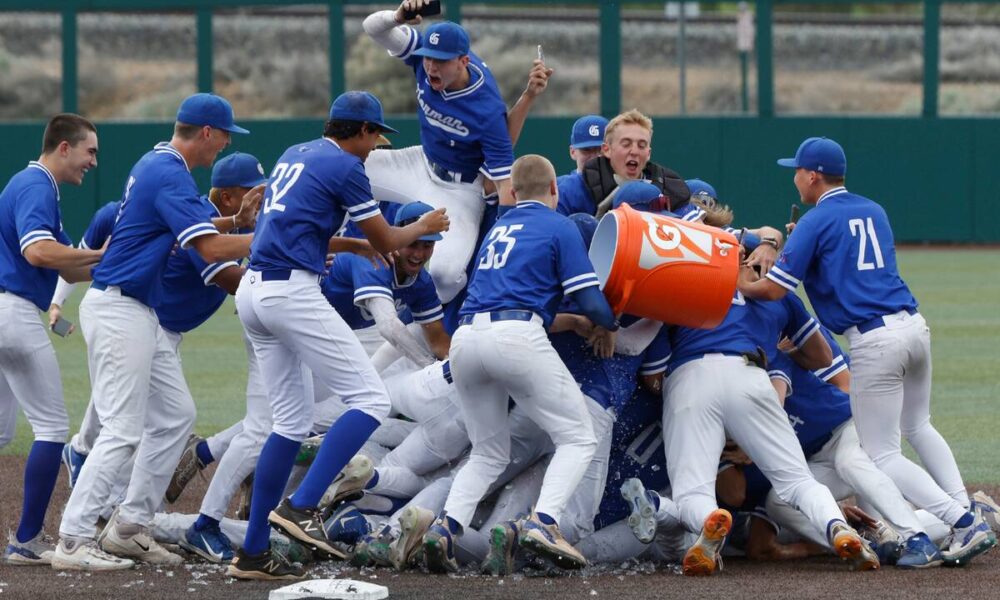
587	225
359	106
208	109
640	195
698	186
588	132
238	170
443	41
409	213
818	154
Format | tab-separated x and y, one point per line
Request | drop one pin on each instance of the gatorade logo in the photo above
434	39
594	131
665	242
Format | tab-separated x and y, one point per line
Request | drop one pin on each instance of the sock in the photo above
373	481
204	453
40	474
831	524
273	467
546	519
454	527
339	446
965	521
205	522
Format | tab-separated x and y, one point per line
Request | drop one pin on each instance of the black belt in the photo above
879	322
447	175
103	286
757	359
501	315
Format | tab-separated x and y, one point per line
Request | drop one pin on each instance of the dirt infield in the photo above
815	578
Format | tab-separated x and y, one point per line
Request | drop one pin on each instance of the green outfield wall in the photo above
939	179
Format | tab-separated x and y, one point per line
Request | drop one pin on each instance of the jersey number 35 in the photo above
494	257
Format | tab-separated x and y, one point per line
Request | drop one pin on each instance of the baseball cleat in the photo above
244	498
349	482
884	541
36	551
305	525
642	520
374	548
134	541
990	510
704	557
81	554
966	543
413	524
919	552
188	466
547	541
439	548
267	566
73	461
308	450
209	543
347	525
849	546
503	546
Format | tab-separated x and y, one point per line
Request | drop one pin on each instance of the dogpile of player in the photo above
624	438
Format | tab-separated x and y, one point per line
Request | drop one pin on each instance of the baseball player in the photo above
501	349
143	404
463	132
34	251
314	186
843	251
585	141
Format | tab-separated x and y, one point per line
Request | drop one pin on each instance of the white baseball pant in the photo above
707	398
404	176
219	443
890	397
491	361
29	373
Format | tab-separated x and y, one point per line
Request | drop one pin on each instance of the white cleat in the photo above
413	524
642	519
36	551
351	480
81	554
139	545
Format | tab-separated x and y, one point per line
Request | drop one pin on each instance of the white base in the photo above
334	589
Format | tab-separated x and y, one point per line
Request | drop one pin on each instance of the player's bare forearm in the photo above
841	381
229	279
50	254
76	274
762	544
814	353
385	238
437	339
220	247
538	80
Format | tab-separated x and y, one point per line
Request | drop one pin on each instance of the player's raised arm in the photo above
388	29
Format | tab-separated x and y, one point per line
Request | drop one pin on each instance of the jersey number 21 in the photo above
864	230
496	258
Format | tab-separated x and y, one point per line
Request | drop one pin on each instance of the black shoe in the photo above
265	566
305	525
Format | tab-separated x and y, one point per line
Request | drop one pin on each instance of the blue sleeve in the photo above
356	195
424	302
100	226
654	359
594	305
498	153
689	212
184	212
414	42
800	324
369	281
36	215
841	362
798	253
573	266
573	195
750	240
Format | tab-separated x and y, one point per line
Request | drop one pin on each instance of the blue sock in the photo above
205	522
204	454
341	443
965	521
273	468
546	519
373	481
40	474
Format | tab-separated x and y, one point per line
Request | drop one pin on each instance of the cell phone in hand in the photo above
541	55
61	327
795	214
427	10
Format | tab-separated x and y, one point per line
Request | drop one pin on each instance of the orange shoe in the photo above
703	557
850	547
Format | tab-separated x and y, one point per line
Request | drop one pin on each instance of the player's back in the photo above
737	334
313	188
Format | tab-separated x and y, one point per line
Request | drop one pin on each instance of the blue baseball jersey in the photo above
101	224
313	188
354	279
787	317
29	213
738	333
844	253
189	296
531	258
160	206
574	197
462	130
815	408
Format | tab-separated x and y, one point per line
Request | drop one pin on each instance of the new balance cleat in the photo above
73	461
966	543
988	508
503	547
704	557
374	548
209	543
547	541
350	482
188	466
849	546
439	548
919	552
134	541
305	525
642	520
81	554
36	551
413	524
347	525
267	566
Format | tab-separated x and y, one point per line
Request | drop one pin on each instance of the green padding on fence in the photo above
936	178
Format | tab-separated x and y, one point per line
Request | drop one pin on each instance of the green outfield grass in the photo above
959	291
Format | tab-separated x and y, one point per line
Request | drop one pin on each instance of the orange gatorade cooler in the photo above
664	268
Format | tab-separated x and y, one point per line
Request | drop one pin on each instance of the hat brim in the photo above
585	145
431	237
235	129
385	128
438	54
788	162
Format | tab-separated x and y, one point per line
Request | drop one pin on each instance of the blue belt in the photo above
276	275
878	322
447	175
501	315
103	286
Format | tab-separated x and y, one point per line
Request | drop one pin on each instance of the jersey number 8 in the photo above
283	178
495	259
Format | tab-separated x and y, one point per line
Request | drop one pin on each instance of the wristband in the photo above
770	242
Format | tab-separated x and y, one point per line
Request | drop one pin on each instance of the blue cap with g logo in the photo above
359	106
238	170
818	154
208	109
588	132
443	41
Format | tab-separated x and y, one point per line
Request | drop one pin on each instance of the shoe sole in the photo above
436	555
850	547
980	548
702	558
172	494
935	563
413	524
357	473
65	565
292	530
237	573
500	560
642	519
19	560
183	543
541	547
